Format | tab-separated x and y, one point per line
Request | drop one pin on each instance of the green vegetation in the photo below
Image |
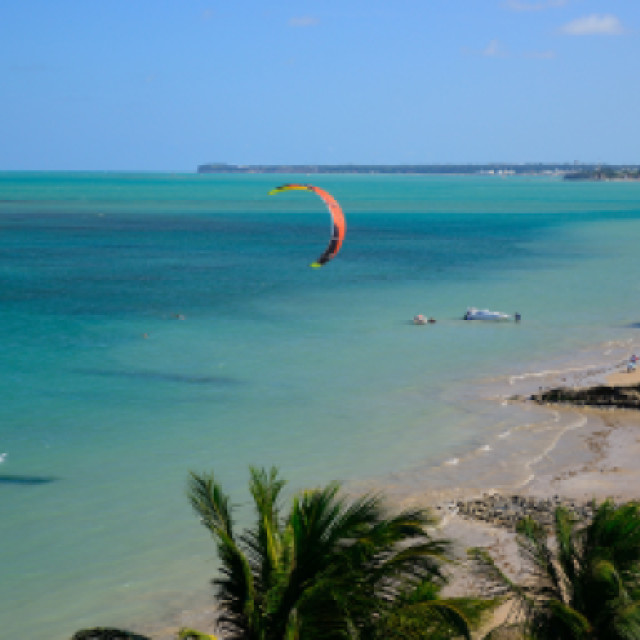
192	634
328	568
586	579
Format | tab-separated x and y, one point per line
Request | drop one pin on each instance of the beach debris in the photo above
338	223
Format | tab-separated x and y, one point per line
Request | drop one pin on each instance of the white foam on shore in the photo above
516	438
550	373
508	457
609	356
581	421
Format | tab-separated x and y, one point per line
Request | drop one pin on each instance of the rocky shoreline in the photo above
612	396
505	511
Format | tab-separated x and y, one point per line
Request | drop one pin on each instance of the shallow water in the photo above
153	324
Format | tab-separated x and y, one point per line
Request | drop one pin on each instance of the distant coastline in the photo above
605	174
567	171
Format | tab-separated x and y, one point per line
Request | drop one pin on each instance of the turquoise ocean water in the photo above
153	324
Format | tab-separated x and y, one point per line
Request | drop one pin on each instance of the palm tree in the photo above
608	576
330	568
587	579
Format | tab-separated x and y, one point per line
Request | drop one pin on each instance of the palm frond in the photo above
192	634
235	589
625	624
438	619
489	570
615	534
210	503
555	619
565	536
532	539
263	542
498	584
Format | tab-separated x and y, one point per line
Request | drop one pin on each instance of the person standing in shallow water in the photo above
517	317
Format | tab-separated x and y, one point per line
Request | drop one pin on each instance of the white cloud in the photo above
303	21
521	5
493	50
595	24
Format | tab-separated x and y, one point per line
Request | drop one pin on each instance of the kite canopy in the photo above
338	224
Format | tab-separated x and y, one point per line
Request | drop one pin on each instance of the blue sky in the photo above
170	84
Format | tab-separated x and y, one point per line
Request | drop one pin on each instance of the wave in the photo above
581	421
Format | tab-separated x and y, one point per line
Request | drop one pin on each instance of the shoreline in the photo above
591	453
595	456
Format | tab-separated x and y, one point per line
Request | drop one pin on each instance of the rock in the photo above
627	397
507	511
107	633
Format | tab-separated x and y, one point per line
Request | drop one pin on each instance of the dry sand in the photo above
624	378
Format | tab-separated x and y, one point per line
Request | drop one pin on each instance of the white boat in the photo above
484	314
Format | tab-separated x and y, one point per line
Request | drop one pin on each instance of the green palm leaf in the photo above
331	568
236	592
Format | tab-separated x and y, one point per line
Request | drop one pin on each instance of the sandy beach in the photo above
596	461
604	453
